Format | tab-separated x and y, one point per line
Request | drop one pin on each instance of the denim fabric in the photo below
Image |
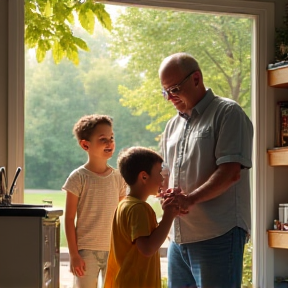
95	261
213	263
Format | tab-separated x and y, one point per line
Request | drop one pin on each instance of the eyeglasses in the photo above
175	89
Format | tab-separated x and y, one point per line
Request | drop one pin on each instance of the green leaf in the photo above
57	52
51	20
102	16
87	20
70	18
72	55
40	54
48	11
44	45
81	43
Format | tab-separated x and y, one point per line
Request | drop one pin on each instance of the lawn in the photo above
58	199
35	197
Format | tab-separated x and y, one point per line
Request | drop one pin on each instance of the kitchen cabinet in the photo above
29	247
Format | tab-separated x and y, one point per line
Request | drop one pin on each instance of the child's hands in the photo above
170	206
77	266
180	198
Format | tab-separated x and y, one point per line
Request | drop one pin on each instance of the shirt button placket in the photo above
177	230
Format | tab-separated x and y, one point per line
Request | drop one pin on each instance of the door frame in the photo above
262	99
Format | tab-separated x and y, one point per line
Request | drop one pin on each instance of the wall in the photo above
3	80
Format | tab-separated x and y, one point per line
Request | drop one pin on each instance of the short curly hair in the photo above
85	126
136	159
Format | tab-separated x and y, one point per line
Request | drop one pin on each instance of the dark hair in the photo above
85	126
136	159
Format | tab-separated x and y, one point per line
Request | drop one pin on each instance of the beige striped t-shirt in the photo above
98	200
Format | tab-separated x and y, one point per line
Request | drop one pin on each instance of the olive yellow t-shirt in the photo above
127	266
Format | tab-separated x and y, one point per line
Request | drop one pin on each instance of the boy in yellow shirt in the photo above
134	259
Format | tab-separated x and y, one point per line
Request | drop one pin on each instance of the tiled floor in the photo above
66	278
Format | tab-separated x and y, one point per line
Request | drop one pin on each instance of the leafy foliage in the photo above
58	95
221	44
281	40
247	266
48	26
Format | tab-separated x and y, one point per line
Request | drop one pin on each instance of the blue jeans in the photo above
213	263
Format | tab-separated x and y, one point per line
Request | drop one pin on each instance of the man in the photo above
207	147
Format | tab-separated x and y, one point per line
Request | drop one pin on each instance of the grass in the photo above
58	198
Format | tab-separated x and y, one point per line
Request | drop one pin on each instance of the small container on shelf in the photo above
278	76
278	156
278	239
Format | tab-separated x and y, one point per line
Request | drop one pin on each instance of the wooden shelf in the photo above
278	77
278	156
278	239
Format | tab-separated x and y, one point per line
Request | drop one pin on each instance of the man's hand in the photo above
183	202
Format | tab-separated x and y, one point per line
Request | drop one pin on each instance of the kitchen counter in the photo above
28	210
29	246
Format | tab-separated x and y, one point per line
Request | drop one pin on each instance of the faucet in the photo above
3	185
5	195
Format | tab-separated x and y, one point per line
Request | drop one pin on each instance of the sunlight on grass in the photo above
58	198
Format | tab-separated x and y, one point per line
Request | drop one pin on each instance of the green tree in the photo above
221	44
48	26
58	95
51	92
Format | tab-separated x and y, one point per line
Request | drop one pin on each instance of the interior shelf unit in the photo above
278	78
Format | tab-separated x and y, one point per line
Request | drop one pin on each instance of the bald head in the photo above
183	62
182	81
